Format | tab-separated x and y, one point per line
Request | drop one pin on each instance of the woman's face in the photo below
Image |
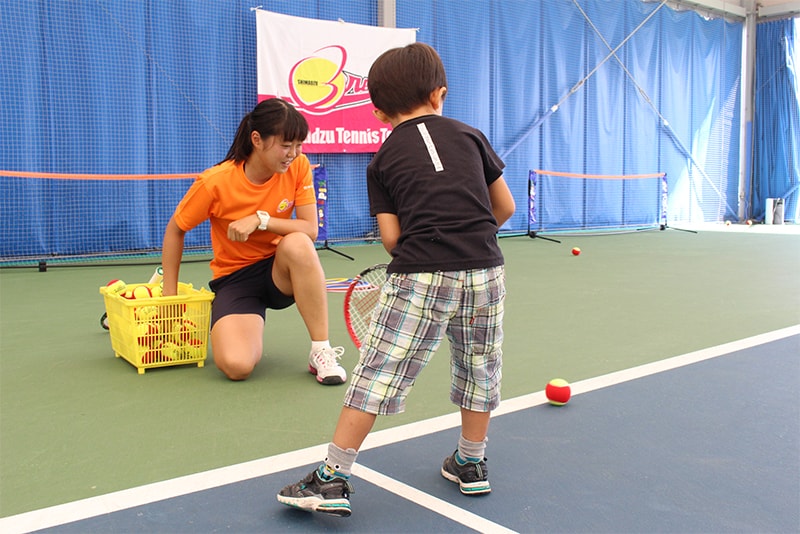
276	154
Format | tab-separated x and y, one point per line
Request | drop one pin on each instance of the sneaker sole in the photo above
468	488
333	380
338	507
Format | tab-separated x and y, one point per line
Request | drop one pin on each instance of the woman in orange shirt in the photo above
263	257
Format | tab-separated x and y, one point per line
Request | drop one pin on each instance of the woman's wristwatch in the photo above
263	217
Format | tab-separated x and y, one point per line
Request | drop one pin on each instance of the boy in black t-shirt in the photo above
437	191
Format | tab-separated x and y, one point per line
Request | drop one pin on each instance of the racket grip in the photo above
158	274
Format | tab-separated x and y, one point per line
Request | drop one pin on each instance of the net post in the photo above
664	201
532	209
531	202
321	188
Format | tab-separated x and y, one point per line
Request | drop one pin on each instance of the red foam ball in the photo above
558	392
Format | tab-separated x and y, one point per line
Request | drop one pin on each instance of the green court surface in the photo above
76	422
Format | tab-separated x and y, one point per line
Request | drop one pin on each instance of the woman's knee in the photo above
296	245
237	344
236	368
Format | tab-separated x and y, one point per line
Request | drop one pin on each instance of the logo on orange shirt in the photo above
284	205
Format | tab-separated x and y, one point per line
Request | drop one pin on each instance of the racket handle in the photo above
158	274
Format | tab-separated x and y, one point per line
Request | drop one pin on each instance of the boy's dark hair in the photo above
273	116
402	79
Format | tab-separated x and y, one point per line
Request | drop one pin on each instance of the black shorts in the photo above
248	290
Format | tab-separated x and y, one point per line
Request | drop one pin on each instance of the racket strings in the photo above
362	299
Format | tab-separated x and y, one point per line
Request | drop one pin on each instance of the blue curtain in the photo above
665	101
119	87
776	122
155	87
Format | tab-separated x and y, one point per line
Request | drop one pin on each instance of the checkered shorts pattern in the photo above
413	314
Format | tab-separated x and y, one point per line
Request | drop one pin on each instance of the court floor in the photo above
708	441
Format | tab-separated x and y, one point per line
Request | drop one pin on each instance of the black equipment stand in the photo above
325	246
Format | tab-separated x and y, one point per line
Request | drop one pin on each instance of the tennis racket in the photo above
360	300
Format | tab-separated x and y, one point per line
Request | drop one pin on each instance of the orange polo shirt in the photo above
223	194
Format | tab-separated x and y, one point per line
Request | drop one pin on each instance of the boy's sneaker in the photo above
324	363
317	495
472	478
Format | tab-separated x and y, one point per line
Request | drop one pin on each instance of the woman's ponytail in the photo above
242	145
271	117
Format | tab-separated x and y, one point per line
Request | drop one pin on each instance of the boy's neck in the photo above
418	112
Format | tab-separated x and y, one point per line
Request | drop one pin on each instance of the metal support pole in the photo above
387	13
748	101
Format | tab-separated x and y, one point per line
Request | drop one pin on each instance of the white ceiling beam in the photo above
785	9
725	7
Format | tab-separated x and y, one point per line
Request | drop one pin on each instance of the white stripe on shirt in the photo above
437	163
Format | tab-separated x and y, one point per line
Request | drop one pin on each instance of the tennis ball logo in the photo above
146	313
116	287
284	205
318	82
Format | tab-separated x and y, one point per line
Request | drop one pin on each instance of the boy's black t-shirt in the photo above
434	173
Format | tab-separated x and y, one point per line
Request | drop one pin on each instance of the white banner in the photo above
321	67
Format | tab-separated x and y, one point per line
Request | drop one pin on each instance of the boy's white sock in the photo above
470	451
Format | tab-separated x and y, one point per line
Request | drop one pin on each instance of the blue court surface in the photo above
704	442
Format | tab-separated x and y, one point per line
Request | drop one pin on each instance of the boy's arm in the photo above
389	226
502	201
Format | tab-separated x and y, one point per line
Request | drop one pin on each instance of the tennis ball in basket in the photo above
146	334
170	351
116	287
193	349
576	251
151	356
184	331
140	292
173	311
558	392
146	313
157	291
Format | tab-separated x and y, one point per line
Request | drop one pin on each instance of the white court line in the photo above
157	491
426	500
610	379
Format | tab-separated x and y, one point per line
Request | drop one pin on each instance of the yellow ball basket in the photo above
159	331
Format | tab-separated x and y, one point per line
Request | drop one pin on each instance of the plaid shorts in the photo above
408	324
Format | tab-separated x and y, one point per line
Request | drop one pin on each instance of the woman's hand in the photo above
240	230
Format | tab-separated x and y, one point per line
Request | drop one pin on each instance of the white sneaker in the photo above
324	363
